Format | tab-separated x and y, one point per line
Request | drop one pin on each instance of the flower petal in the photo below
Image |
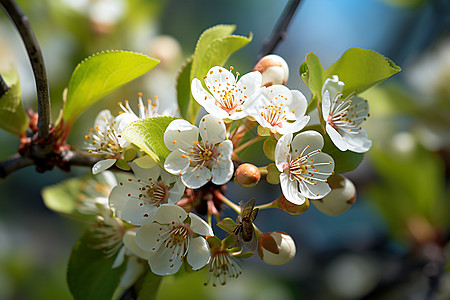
282	150
314	191
150	174
199	226
176	162
298	125
249	84
206	100
103	165
336	138
168	213
199	253
334	86
225	149
129	240
147	236
358	142
180	134
290	190
176	192
305	142
212	129
165	261
222	171
196	177
217	79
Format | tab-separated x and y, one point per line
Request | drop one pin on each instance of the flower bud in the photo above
247	175
274	70
341	197
289	207
276	248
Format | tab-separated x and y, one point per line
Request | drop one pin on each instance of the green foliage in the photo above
148	135
227	224
90	274
360	69
150	287
213	48
13	117
63	198
273	175
345	161
311	72
101	74
269	148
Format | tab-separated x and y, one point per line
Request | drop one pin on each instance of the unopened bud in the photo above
289	207
341	197
274	70
276	248
247	175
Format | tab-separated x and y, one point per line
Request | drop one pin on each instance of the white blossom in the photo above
199	161
304	167
226	94
136	199
279	109
171	238
343	117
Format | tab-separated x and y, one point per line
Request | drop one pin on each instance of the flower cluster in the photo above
151	208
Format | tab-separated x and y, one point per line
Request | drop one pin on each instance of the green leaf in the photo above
123	165
214	47
345	161
263	131
269	148
90	274
184	88
63	198
148	134
13	117
311	72
360	69
227	224
129	154
244	255
273	175
101	74
150	287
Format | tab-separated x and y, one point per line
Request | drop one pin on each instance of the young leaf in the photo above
148	134
311	72
90	274
269	148
13	117
184	88
101	74
360	69
227	225
273	175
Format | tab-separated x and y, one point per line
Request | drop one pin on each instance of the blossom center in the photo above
275	115
203	154
154	194
178	236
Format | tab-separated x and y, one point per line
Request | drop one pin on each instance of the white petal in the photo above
168	213
195	178
310	140
109	177
206	100
129	240
225	149
282	150
281	93
103	165
150	174
252	82
118	198
237	115
164	262
326	105
359	142
103	117
119	258
299	103
290	190
176	192
212	129
222	171
176	162
298	125
323	163
336	138
317	191
358	110
199	253
199	226
147	236
180	134
334	86
217	79
137	214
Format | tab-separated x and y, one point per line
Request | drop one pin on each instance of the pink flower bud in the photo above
341	197
289	207
247	175
276	248
274	70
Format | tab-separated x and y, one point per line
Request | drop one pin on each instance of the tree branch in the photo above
20	20
14	163
3	86
279	32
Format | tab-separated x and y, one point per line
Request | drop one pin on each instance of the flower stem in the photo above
227	201
268	205
248	143
20	20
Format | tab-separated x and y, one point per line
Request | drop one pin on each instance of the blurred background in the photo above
391	244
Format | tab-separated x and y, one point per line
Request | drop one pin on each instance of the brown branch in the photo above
14	163
279	32
20	20
3	86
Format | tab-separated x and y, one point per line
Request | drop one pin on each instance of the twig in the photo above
279	32
20	20
3	86
14	163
